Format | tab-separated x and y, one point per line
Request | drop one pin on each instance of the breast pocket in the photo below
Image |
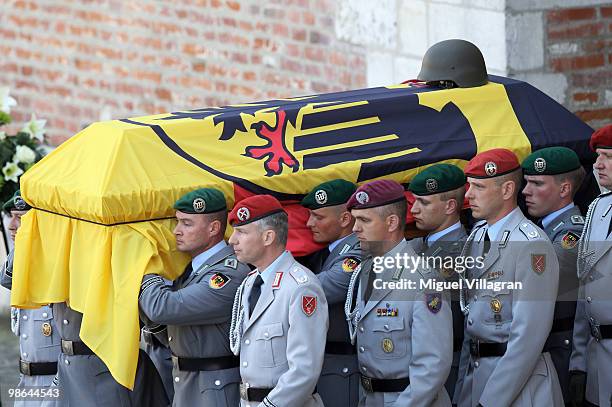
44	327
497	307
271	345
391	338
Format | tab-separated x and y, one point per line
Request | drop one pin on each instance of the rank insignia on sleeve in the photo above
569	240
350	264
538	263
309	304
434	302
218	280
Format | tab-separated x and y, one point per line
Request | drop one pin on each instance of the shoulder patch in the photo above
218	280
299	275
309	304
577	220
434	302
230	262
529	230
538	263
569	240
350	264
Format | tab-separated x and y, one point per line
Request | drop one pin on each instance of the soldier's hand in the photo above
577	387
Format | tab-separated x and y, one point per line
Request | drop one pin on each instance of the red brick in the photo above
596	114
163	94
596	46
308	17
233	5
249	76
571	14
280	30
592	79
315	54
586	97
291	65
580	31
26	70
577	63
319	39
298	35
606	12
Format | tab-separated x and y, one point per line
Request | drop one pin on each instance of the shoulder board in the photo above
299	275
577	220
529	230
231	262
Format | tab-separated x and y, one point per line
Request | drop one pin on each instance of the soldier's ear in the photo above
268	237
450	206
393	223
565	189
345	219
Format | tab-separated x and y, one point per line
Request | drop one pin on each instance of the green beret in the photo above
437	179
203	200
330	193
551	161
16	202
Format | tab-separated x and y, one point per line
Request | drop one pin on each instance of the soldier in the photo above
197	308
591	361
154	341
39	342
279	319
509	309
553	176
403	332
332	224
439	191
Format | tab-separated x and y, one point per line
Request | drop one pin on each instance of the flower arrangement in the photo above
18	152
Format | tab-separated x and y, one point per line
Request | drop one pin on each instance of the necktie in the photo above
187	272
255	293
610	227
487	243
371	277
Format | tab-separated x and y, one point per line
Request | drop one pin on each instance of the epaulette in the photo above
529	231
577	220
299	275
231	262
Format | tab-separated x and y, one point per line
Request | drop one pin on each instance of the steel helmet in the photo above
457	61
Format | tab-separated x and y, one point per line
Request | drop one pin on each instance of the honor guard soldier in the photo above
39	342
403	333
439	192
553	176
591	360
279	320
331	223
197	307
510	305
154	341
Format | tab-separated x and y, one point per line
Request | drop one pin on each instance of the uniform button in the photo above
217	382
591	319
386	327
25	317
247	342
591	278
45	315
476	364
65	322
345	370
266	334
566	342
361	349
363	368
176	380
470	322
169	338
361	329
24	336
66	361
245	364
588	299
24	354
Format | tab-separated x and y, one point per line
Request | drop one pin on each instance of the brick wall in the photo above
579	41
76	62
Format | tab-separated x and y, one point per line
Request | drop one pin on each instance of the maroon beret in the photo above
602	138
376	193
254	208
492	163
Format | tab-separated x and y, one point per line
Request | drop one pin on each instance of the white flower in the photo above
6	101
35	128
2	135
24	154
12	172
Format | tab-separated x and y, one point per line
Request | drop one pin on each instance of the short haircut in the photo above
279	223
457	194
398	208
221	216
516	176
574	177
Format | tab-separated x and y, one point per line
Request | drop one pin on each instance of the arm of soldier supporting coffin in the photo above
305	349
464	361
532	316
335	280
6	278
582	332
196	304
432	351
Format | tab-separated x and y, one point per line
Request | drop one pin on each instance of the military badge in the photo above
538	263
569	240
218	280
20	204
243	214
387	345
539	165
199	205
431	185
434	302
350	264
496	305
46	329
277	279
490	168
309	304
388	311
321	197
362	197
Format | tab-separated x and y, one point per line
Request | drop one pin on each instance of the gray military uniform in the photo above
154	341
519	318
564	231
39	342
403	333
339	382
282	343
197	310
448	245
592	353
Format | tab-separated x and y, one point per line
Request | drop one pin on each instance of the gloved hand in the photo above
577	387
